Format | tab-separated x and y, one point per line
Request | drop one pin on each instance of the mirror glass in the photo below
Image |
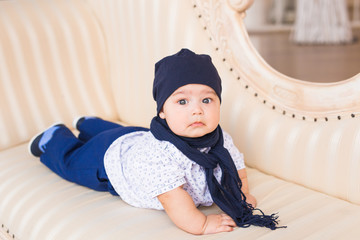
292	38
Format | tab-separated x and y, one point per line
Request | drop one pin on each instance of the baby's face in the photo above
192	110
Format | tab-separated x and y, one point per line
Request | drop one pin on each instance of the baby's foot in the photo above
79	120
37	144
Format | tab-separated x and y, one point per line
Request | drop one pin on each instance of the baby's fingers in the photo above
227	221
218	223
224	229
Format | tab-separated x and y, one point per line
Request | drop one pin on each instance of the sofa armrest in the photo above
54	66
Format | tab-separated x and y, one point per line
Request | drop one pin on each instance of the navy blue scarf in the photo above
227	195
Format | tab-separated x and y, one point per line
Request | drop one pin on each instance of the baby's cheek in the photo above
175	126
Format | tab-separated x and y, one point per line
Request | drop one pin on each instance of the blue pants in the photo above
81	160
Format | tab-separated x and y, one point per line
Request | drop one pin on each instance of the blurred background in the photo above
310	40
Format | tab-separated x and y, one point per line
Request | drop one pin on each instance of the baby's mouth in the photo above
197	124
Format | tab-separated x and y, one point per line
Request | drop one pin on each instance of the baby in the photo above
183	161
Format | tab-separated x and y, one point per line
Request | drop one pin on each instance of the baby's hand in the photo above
218	223
251	199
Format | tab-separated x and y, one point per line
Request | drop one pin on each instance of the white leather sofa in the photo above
63	58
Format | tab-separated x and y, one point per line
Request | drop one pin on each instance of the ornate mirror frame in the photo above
290	96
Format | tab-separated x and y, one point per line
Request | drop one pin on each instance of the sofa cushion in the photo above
37	204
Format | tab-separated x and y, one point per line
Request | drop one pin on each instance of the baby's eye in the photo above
206	100
182	101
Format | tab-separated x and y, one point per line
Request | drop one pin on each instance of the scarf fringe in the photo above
262	220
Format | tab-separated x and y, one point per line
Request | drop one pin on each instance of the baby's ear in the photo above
162	115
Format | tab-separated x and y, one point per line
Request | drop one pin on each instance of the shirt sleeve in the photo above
236	155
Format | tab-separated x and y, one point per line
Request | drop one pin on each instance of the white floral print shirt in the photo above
140	168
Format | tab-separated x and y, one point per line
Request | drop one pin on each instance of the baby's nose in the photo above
197	109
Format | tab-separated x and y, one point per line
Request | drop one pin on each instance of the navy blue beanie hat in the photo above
180	69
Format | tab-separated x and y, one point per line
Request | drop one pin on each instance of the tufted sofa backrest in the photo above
138	34
302	132
62	58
